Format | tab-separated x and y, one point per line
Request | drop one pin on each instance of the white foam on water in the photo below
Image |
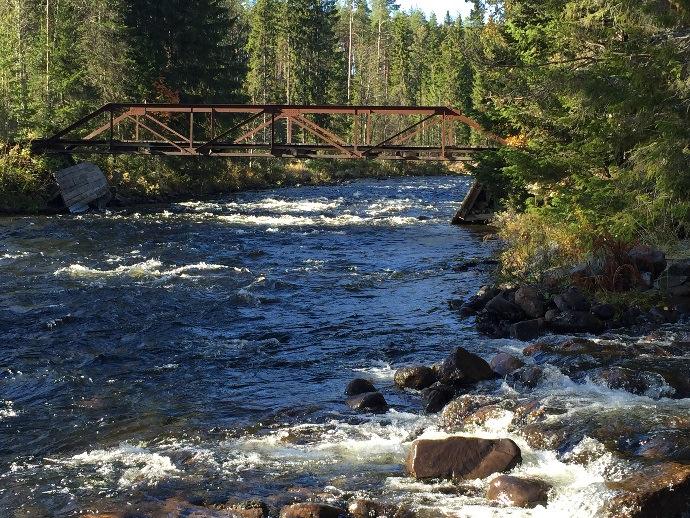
148	269
380	370
7	410
268	204
130	464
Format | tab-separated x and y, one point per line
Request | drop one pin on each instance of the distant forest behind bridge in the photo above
593	95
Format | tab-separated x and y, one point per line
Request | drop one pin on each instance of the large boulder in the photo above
572	299
368	402
527	329
662	490
604	311
505	363
312	510
417	377
518	492
461	458
504	309
359	386
648	259
572	321
531	301
463	368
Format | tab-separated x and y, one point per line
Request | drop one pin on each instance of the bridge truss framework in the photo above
284	131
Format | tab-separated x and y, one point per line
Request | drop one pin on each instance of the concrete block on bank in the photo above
81	185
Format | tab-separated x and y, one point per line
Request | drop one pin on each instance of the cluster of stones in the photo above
451	387
526	312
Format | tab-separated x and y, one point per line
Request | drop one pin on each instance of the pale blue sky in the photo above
440	7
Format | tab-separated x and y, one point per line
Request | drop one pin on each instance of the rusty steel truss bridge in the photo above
279	131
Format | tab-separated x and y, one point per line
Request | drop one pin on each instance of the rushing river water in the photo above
203	349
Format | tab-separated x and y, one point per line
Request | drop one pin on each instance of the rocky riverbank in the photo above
576	342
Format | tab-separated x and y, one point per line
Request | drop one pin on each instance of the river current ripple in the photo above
202	349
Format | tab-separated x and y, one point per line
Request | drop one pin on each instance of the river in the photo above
202	349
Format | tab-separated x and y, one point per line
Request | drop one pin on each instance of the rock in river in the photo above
359	386
657	491
519	492
368	402
505	363
461	458
437	396
312	510
417	377
531	301
463	368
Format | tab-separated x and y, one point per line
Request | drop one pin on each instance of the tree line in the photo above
61	58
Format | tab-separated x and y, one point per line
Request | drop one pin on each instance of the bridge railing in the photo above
288	131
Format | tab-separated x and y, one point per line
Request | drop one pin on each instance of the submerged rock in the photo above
461	458
456	412
417	377
662	490
518	492
312	510
368	402
362	508
463	368
359	386
505	363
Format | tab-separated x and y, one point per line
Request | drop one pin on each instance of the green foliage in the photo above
597	94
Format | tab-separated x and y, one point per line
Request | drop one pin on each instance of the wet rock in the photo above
177	508
662	315
477	302
463	368
368	402
673	445
417	377
673	370
437	396
312	510
490	325
576	322
528	377
661	490
461	458
486	413
455	304
604	311
518	492
572	299
504	309
681	267
455	412
359	386
648	259
547	436
362	508
531	301
505	363
527	329
633	381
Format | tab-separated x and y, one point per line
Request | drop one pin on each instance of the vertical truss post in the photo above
289	130
136	128
355	131
273	131
191	128
213	122
443	135
368	132
112	128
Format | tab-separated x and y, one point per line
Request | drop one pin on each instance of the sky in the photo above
440	7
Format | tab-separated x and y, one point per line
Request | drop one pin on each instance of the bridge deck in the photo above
283	131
